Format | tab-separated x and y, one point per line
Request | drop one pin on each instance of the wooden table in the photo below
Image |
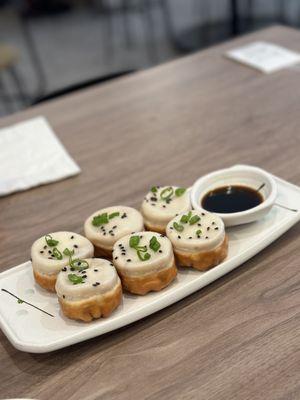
237	338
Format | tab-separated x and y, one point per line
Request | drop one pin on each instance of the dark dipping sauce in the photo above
231	199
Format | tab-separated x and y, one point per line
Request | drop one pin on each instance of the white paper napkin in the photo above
265	57
31	155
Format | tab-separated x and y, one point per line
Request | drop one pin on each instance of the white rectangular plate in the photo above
30	330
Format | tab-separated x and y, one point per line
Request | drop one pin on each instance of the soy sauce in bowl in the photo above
231	199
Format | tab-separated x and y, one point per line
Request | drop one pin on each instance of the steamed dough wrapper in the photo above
198	239
52	252
161	204
144	261
90	289
104	227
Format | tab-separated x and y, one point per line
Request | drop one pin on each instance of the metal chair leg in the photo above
168	24
19	85
35	58
7	100
149	30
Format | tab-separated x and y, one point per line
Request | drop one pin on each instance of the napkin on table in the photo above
31	155
264	56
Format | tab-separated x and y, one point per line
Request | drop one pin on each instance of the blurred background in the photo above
52	47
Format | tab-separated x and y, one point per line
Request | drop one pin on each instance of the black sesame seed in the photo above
64	269
76	246
128	260
50	258
171	228
190	237
72	237
42	251
153	198
95	284
84	276
208	228
45	247
164	206
111	264
179	237
49	251
160	251
162	235
199	224
95	270
213	223
116	258
104	233
64	296
114	227
153	204
112	234
120	245
206	237
123	254
216	228
202	214
72	269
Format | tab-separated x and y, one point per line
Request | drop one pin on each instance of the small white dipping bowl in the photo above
238	175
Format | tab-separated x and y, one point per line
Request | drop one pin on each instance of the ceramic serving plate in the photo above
30	330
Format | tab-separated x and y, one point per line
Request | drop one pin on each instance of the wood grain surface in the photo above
238	338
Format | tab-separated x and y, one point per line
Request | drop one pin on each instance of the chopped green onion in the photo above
194	219
185	218
57	254
141	248
178	227
68	252
154	189
198	233
75	279
113	215
50	241
20	301
180	191
79	264
100	219
167	193
154	244
143	256
134	241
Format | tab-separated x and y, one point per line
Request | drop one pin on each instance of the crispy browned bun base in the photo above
203	260
100	252
154	228
150	282
88	309
45	281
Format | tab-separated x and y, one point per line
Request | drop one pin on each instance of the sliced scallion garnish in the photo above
178	227
50	241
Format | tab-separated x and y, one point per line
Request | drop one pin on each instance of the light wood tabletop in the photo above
238	338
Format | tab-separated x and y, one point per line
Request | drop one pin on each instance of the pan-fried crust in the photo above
95	307
45	281
155	228
150	282
203	260
100	252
